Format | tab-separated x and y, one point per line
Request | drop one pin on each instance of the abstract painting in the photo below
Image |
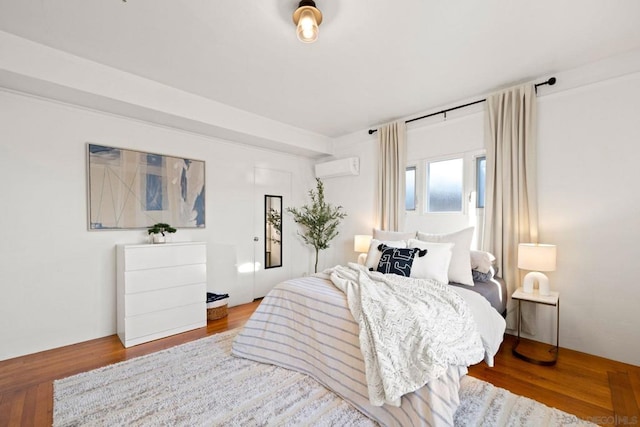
132	189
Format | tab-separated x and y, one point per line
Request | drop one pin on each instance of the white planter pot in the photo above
158	238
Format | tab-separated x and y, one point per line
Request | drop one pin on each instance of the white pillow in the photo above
385	235
482	261
435	264
460	266
373	257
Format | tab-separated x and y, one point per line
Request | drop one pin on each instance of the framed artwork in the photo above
133	189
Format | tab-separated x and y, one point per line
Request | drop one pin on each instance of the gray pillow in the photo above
479	276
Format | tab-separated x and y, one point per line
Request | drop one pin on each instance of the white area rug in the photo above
200	383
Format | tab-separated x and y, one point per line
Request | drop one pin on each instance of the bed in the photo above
305	324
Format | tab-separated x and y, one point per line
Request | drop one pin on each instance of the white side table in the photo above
536	298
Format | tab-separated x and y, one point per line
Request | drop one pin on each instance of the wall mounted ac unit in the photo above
341	167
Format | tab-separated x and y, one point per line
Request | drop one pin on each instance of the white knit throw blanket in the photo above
411	330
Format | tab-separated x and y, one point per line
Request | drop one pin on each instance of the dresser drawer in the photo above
160	321
161	278
164	299
157	256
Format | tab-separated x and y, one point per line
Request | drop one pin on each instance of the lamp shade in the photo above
361	243
536	257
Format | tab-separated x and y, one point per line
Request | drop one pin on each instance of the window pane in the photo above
444	186
410	193
481	173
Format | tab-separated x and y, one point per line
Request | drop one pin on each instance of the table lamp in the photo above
361	244
536	257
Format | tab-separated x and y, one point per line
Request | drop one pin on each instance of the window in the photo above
445	185
450	184
481	174
410	193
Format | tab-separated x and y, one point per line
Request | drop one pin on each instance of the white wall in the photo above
57	279
589	151
588	166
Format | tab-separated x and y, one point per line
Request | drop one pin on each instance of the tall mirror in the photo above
273	231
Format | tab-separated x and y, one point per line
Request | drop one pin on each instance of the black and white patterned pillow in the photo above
397	260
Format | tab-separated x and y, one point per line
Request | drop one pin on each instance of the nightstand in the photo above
536	298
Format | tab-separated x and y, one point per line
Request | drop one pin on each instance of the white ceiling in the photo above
374	61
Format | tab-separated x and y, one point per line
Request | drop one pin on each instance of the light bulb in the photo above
307	27
307	34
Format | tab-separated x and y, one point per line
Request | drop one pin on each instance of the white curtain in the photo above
392	160
511	207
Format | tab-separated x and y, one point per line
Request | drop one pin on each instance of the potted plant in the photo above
158	232
320	220
275	220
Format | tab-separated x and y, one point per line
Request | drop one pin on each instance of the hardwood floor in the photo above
591	387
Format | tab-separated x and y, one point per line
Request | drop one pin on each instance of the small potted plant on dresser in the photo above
157	232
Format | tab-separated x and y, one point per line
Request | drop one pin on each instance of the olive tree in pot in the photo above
158	232
319	220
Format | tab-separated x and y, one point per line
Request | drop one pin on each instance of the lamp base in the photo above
543	283
362	259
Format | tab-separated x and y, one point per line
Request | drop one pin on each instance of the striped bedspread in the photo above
305	324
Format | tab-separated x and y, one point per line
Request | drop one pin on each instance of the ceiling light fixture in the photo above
307	18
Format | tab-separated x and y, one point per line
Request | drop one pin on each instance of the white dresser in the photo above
161	290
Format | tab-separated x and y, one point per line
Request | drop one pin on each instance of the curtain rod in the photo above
549	82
